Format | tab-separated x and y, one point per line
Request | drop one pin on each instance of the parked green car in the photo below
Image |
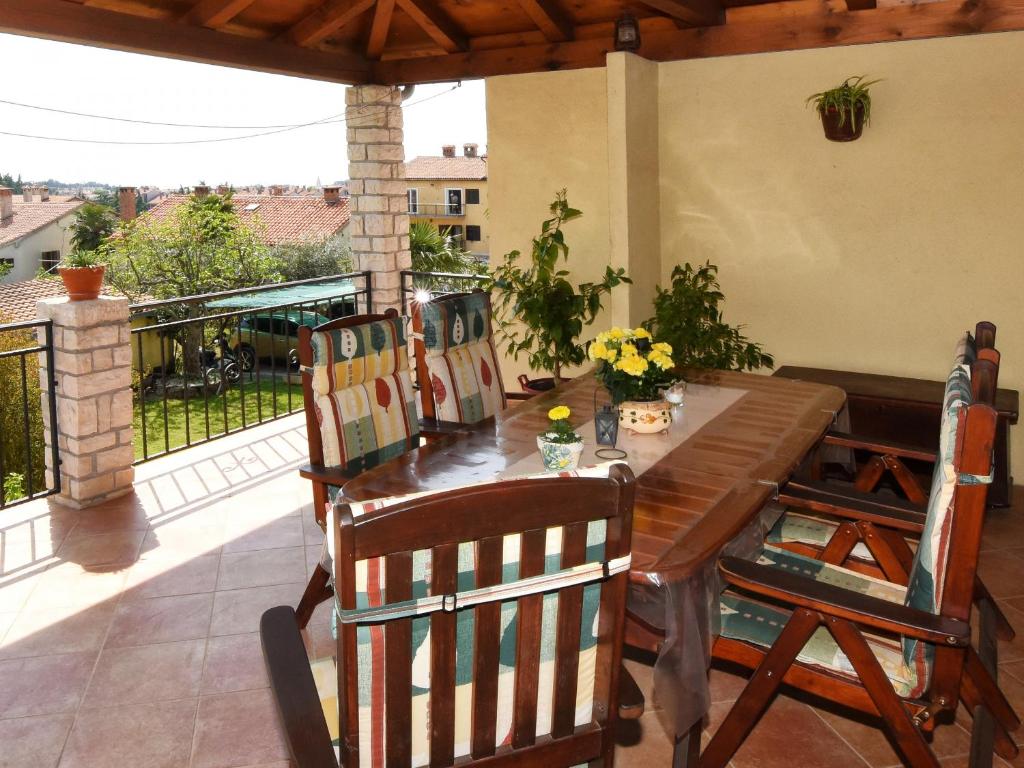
270	336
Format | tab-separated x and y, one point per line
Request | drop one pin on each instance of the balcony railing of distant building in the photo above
214	364
426	286
437	210
26	416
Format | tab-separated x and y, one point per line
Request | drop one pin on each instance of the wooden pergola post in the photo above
379	201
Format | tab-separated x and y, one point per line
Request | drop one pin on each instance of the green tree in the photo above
313	258
6	180
435	250
17	449
5	269
202	247
93	224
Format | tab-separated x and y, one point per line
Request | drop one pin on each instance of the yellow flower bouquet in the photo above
631	364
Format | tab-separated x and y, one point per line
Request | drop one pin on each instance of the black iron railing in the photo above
212	365
23	424
424	286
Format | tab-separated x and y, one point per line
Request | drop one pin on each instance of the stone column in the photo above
379	201
92	366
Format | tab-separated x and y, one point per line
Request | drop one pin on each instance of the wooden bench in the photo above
908	411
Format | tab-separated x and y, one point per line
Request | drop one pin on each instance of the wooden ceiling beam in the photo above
71	22
555	25
326	20
696	13
948	18
438	26
379	29
215	13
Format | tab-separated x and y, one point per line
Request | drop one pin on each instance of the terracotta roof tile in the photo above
285	218
30	217
467	168
18	300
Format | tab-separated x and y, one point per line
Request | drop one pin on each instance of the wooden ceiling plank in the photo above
326	20
698	13
215	13
555	25
440	28
379	30
948	18
75	23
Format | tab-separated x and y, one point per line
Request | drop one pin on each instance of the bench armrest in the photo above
328	475
291	681
801	592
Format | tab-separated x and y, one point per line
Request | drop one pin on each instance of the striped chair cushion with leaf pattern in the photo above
754	622
370	592
928	572
363	395
461	360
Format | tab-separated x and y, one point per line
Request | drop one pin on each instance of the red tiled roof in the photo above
31	217
284	218
18	300
467	168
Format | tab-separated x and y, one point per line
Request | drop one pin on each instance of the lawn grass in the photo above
178	436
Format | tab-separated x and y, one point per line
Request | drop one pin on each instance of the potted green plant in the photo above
537	310
560	446
634	368
844	110
82	273
688	317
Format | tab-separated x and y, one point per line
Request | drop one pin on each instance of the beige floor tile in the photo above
238	611
44	685
161	620
102	550
33	742
244	535
234	663
165	576
56	630
261	568
238	729
146	673
140	736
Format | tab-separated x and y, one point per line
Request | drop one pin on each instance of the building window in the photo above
473	233
414	201
472	197
49	260
453	199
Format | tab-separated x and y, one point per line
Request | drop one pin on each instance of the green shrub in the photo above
14	447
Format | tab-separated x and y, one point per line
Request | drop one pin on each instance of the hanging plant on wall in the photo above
844	110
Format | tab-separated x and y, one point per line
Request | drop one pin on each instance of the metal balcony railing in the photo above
437	209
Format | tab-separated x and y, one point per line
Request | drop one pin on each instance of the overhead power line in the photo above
117	142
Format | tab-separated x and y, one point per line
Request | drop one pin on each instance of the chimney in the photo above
448	150
223	189
332	195
470	150
126	203
44	194
6	203
276	190
200	190
26	193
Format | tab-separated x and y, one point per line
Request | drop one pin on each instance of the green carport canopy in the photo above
294	294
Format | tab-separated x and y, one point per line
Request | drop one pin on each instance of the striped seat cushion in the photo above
759	624
370	592
461	360
363	395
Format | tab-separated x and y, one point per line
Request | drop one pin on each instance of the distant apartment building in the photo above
278	217
450	192
34	230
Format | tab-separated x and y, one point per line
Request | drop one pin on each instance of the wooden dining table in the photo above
695	496
704	486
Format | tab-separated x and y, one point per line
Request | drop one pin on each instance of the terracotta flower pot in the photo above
850	130
645	417
537	386
82	283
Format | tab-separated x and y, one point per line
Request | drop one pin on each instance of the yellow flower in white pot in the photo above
560	446
635	368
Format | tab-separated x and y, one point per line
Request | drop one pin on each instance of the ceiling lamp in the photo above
627	33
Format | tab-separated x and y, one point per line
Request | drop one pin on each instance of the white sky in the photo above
83	79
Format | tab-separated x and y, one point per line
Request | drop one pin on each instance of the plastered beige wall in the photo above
553	133
868	256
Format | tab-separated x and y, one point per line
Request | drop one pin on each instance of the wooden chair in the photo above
360	411
457	368
901	653
502	634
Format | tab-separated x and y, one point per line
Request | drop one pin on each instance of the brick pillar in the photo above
92	364
379	202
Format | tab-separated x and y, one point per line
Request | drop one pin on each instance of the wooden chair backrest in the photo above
441	522
985	335
985	375
972	457
316	447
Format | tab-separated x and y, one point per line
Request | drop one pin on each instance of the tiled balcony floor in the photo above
128	632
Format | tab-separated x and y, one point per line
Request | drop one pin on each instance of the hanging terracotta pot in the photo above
851	127
82	283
